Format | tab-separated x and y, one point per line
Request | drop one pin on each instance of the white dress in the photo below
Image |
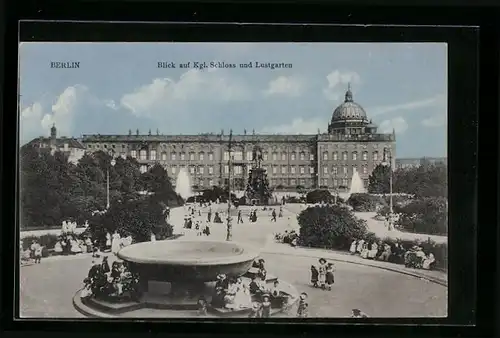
360	246
108	239
428	261
352	249
115	243
58	247
373	252
153	238
75	247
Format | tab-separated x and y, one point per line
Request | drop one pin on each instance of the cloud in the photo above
285	85
63	110
164	94
428	102
297	126
111	104
398	124
337	83
30	121
434	121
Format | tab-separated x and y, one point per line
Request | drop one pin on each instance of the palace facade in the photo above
351	144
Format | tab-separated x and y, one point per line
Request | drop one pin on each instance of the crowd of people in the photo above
413	257
104	281
288	237
233	293
322	275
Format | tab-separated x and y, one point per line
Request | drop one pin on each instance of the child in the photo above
314	276
302	310
38	254
356	313
329	276
322	273
202	306
266	307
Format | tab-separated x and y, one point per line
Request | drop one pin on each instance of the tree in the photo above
331	227
138	218
258	186
43	187
379	180
427	215
156	180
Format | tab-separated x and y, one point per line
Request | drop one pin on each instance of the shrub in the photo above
365	202
242	201
426	216
331	227
215	193
293	199
136	218
318	196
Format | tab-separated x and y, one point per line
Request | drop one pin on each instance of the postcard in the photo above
233	180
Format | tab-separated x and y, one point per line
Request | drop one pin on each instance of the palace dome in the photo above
348	110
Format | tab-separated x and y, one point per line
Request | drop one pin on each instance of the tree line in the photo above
52	189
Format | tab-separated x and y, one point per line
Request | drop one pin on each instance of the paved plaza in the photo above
47	289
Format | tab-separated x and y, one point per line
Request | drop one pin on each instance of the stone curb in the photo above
435	280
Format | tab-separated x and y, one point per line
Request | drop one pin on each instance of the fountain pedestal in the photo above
173	275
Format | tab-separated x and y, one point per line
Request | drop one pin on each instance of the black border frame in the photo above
463	143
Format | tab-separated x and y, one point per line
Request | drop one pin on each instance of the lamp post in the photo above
387	161
112	163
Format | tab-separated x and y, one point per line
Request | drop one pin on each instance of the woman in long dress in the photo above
359	248
58	247
364	251
115	243
108	240
322	272
75	247
373	251
428	261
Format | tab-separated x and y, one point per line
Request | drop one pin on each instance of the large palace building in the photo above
321	160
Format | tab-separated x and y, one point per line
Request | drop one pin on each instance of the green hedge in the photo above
334	227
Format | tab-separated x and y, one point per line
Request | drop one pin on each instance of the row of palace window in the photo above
339	182
143	155
354	156
238	170
238	156
345	170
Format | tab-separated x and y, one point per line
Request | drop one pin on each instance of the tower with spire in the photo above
53	136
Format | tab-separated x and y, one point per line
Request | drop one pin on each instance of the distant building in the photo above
402	163
72	147
318	160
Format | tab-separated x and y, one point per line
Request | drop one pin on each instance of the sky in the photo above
119	87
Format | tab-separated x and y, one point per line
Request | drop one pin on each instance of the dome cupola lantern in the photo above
348	93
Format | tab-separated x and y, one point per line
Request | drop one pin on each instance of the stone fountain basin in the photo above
188	261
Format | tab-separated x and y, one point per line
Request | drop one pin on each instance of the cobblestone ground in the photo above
47	289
